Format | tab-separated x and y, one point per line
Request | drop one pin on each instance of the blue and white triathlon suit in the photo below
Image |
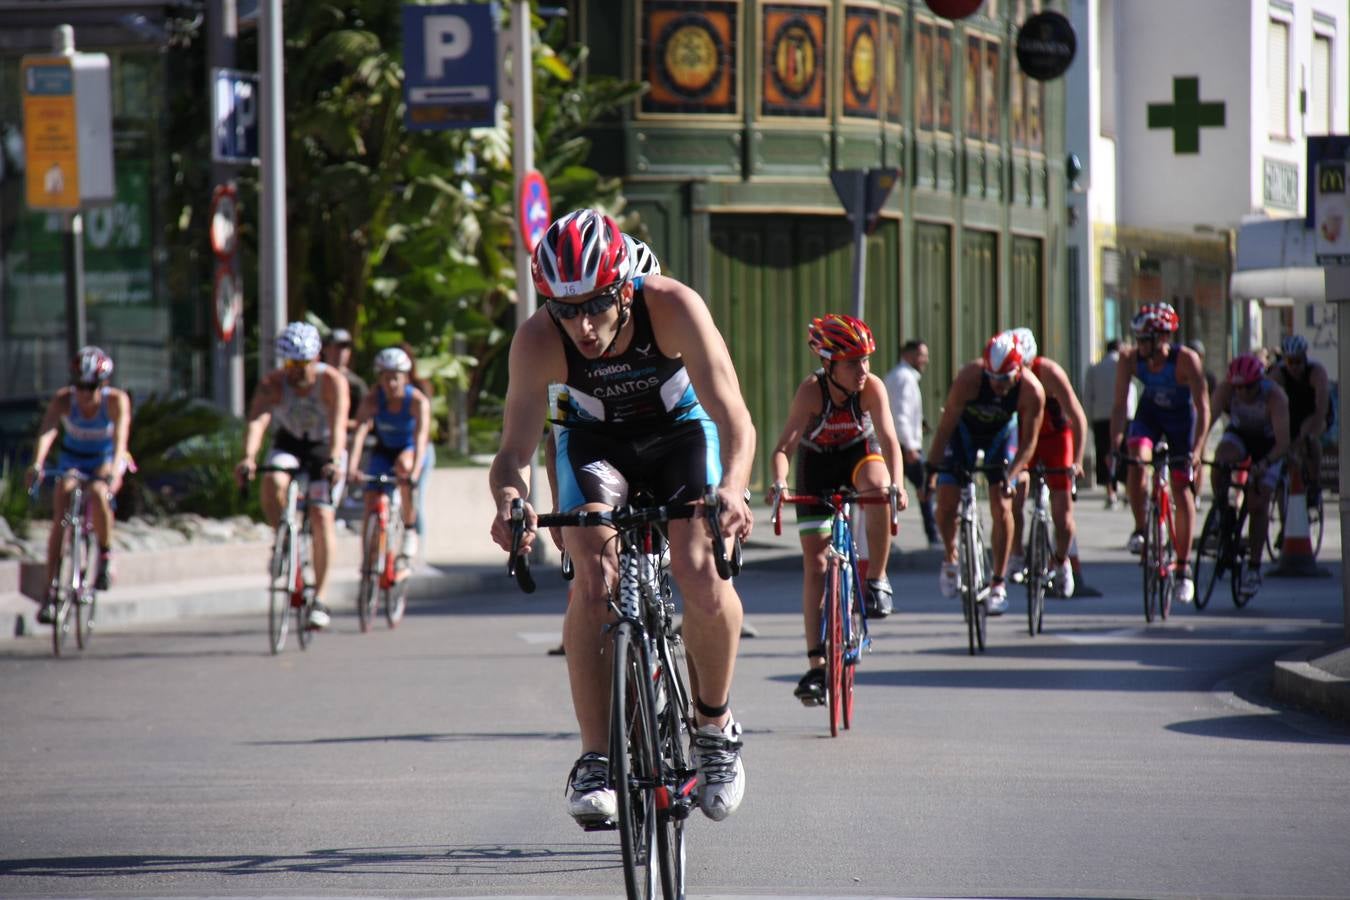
395	431
87	444
632	422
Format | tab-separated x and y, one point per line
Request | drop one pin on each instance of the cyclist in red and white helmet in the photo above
305	405
1174	403
400	415
650	401
840	429
93	421
994	405
1258	432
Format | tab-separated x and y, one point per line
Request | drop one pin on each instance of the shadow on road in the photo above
430	737
1281	727
477	859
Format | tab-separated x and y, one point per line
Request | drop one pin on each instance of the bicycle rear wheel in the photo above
367	594
676	800
87	597
633	769
1149	560
1315	522
279	605
852	643
1206	546
1166	574
396	595
834	645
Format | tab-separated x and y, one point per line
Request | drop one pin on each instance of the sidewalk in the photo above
459	558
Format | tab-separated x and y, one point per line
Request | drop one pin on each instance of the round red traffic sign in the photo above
953	9
227	301
224	221
534	209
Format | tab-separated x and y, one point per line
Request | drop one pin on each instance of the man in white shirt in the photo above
1098	396
902	389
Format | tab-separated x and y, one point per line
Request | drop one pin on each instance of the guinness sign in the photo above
1046	45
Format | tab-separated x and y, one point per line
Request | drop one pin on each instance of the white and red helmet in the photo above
1026	342
1155	318
580	253
1002	355
91	365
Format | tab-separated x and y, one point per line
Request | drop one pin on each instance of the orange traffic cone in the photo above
1296	553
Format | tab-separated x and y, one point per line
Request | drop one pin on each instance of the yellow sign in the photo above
51	138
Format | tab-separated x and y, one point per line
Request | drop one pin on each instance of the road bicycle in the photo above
843	627
384	568
651	708
1279	508
72	584
975	564
1040	549
1158	559
1223	539
291	591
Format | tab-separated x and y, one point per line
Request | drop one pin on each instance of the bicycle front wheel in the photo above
853	648
1242	560
1206	547
675	800
1279	506
633	769
1149	560
834	645
1164	556
279	601
1037	573
367	593
396	595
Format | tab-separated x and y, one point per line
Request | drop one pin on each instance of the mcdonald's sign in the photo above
1331	221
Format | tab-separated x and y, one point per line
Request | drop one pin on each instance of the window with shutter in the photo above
1320	90
1277	77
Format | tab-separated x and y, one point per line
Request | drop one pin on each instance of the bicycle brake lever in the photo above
518	564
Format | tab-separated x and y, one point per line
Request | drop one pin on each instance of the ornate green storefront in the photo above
752	104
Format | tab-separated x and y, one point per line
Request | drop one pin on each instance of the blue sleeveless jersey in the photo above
396	431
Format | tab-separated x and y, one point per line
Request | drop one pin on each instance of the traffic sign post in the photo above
862	192
534	209
450	66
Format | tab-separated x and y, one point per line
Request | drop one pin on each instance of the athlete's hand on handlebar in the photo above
736	519
245	472
504	527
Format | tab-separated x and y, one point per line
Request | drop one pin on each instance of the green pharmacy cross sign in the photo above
1186	115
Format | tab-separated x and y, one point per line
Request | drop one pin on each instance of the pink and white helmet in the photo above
1002	355
91	365
580	253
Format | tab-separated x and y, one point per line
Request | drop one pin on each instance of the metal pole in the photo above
522	161
272	228
1338	292
227	358
859	244
77	332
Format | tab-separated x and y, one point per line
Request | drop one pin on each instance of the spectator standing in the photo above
337	352
1210	379
902	390
1098	397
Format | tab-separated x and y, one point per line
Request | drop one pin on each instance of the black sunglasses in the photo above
592	307
86	385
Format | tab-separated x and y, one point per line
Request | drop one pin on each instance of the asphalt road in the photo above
1100	759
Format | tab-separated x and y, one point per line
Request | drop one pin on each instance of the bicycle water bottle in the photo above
1045	494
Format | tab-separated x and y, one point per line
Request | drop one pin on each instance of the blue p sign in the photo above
450	66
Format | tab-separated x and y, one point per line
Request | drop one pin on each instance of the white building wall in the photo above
1157	41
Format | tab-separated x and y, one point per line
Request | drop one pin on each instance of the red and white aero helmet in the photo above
1245	369
91	365
580	253
1155	318
1002	355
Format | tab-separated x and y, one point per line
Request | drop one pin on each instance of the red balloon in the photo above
953	9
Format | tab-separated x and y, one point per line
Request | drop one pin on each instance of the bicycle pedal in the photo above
598	824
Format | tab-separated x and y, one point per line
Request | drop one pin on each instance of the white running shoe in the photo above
318	616
408	549
997	604
590	799
1064	579
1251	581
1136	544
947	580
1184	581
1017	567
721	774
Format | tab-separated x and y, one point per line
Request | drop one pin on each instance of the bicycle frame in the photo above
1159	553
289	590
72	582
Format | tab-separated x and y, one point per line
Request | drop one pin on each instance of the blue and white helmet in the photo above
393	359
300	342
1294	345
641	260
1026	342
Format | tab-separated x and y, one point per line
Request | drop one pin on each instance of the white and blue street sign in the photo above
450	66
234	116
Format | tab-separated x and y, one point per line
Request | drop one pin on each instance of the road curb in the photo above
1299	682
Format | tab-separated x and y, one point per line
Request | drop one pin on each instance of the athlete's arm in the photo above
422	417
265	399
877	404
1030	411
339	402
965	387
1315	424
1223	396
1192	374
1056	383
684	327
47	431
799	416
365	412
1119	408
1277	405
119	405
535	360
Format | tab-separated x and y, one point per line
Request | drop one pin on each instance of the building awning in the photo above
1276	259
